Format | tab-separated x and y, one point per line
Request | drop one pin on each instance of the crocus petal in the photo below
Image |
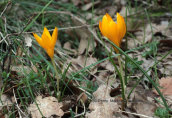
54	37
39	40
46	39
100	26
121	26
109	18
47	32
105	26
50	52
113	33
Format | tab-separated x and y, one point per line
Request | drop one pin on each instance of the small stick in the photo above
5	8
135	114
19	110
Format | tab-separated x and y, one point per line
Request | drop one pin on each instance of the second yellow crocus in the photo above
111	30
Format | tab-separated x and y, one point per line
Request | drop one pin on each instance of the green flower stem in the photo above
122	74
123	86
58	92
120	77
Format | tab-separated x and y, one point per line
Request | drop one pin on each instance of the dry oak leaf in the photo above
104	75
166	84
142	105
71	51
107	65
79	63
103	106
48	106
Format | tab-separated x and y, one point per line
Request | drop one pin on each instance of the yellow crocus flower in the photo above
111	30
46	41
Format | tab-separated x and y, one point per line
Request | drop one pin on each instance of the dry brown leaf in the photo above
138	88
164	66
19	51
58	43
89	5
66	105
90	60
76	2
123	12
166	84
78	63
132	43
83	46
5	102
111	10
166	69
73	86
141	38
67	46
83	97
88	15
69	101
157	28
23	70
103	105
70	33
84	35
142	105
166	42
105	76
34	68
48	106
28	40
166	32
169	101
107	65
